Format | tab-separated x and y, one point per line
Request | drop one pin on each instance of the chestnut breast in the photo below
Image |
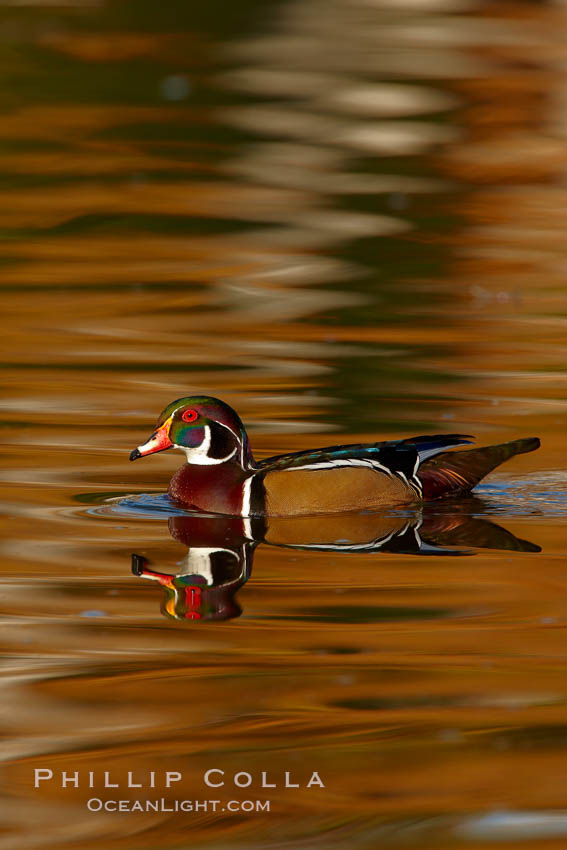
216	489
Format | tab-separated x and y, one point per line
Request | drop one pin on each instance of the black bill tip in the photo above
138	564
135	454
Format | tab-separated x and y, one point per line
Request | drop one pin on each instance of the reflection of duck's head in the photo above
193	596
220	549
217	564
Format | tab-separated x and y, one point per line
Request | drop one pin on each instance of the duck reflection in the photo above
220	549
218	562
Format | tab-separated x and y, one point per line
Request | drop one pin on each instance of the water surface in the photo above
347	220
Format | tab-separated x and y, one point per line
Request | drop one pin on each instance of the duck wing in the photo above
400	458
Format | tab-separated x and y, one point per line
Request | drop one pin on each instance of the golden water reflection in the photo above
339	217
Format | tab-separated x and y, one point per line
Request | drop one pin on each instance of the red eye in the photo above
189	415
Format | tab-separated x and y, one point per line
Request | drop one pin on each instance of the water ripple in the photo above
544	494
138	506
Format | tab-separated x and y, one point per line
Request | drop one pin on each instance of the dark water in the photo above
347	220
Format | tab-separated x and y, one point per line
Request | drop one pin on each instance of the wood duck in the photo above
221	476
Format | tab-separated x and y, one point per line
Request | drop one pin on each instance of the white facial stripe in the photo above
200	454
238	439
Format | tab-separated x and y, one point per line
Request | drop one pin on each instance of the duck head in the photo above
205	428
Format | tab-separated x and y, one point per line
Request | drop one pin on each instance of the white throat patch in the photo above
198	562
200	454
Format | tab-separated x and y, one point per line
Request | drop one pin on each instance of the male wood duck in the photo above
221	475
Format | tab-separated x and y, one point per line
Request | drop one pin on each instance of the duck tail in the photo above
451	473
